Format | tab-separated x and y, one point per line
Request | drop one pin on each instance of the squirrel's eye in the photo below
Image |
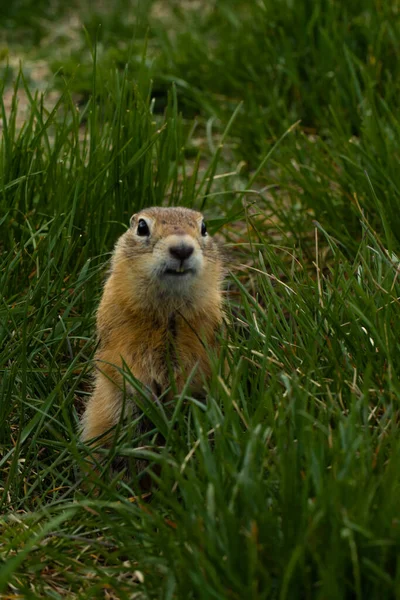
203	229
142	228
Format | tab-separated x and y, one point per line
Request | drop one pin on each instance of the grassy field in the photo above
280	120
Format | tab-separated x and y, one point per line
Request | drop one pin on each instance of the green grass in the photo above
280	121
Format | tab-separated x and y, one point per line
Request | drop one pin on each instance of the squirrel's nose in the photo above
181	252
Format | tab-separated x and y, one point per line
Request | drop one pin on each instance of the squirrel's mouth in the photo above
179	272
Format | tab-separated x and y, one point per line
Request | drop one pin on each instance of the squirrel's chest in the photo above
172	349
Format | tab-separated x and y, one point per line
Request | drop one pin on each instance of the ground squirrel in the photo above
162	298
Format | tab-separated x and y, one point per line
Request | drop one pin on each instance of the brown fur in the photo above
141	320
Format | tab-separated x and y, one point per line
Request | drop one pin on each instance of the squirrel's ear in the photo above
132	220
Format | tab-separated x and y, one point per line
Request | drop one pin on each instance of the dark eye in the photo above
203	229
142	228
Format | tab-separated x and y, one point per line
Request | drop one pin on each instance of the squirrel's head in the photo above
168	256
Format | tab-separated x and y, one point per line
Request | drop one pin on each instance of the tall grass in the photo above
285	483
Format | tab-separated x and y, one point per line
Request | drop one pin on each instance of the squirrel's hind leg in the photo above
102	412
